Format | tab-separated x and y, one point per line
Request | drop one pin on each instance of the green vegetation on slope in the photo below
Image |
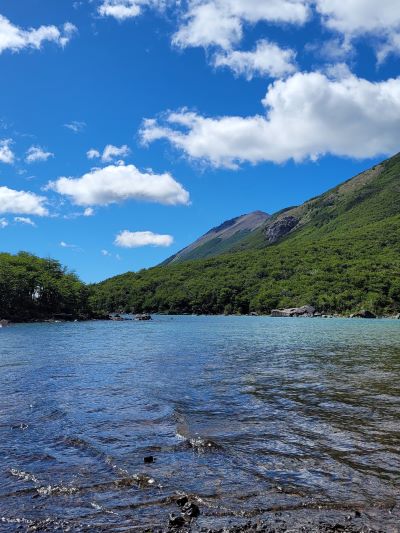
35	289
342	255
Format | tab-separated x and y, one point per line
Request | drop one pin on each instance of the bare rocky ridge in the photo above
219	239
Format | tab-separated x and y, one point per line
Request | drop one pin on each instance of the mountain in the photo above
221	239
339	252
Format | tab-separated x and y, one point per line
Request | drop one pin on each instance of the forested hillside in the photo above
339	252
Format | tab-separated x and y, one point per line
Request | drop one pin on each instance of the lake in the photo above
293	421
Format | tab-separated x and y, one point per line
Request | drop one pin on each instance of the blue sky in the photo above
130	127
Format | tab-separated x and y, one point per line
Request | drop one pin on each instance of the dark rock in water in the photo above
143	316
280	228
116	318
176	521
183	500
191	510
305	310
3	323
363	314
148	459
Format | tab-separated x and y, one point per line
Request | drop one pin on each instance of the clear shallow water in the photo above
250	415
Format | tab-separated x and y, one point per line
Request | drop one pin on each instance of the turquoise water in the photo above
252	416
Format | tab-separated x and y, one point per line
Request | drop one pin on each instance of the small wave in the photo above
23	476
57	490
203	445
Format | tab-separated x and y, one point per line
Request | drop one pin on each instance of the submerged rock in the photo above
305	310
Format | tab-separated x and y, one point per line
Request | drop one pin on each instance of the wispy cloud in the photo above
6	154
76	126
36	154
25	220
69	246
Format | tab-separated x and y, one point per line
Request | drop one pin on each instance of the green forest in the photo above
36	289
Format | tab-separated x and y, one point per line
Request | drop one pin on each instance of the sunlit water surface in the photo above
252	416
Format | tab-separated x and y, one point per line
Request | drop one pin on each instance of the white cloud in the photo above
3	223
6	154
110	153
267	59
125	9
354	18
25	220
22	202
136	239
15	38
360	16
119	9
220	22
92	154
63	244
88	212
76	126
117	183
36	153
306	116
106	253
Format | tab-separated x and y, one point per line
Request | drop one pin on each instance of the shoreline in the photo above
110	318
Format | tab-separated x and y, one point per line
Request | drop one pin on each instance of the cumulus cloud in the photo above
22	202
14	38
36	154
126	9
306	116
359	16
76	126
110	153
136	239
117	183
25	220
88	212
220	22
267	59
6	154
354	18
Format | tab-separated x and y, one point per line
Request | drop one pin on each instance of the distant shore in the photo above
112	317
